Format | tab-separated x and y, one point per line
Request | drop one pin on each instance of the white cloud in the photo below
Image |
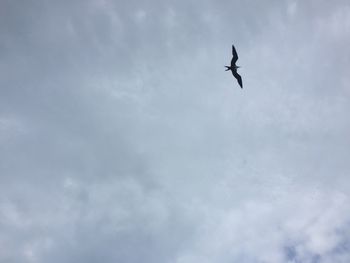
123	139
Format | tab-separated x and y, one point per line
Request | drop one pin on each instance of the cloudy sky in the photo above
122	139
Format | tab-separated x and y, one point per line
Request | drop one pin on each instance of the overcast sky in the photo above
122	138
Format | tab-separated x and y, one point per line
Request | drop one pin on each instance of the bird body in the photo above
234	67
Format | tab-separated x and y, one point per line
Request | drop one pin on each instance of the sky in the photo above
122	138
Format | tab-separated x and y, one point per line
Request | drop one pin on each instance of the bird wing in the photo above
238	77
234	55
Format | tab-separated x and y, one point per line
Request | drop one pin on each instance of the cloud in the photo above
123	139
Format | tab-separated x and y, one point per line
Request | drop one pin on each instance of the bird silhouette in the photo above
234	68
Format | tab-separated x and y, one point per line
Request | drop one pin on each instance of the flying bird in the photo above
234	68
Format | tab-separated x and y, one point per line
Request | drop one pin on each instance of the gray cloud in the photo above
123	140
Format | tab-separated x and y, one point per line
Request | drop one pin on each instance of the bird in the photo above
234	68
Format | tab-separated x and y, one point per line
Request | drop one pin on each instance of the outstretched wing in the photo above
238	77
234	55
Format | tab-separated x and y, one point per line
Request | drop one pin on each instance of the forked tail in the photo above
227	68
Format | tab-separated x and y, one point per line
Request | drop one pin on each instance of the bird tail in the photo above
227	68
